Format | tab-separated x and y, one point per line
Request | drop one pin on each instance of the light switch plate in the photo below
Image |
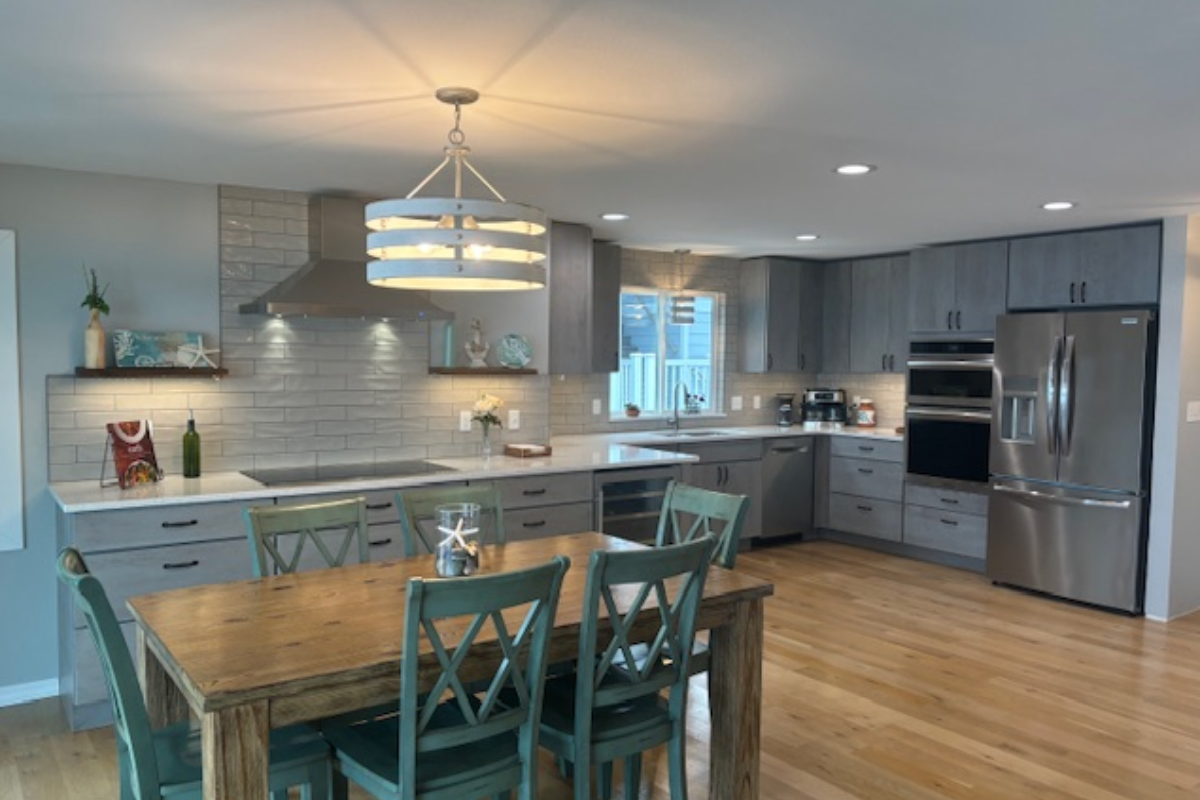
596	406
514	419
757	402
1193	411
735	403
464	421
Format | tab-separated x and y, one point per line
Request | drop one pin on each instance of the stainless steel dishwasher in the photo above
787	486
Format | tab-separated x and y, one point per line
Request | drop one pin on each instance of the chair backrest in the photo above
330	531
649	658
129	709
689	511
419	525
510	613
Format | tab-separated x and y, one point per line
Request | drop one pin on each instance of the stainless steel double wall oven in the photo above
948	419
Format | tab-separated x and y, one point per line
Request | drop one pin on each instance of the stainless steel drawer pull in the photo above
949	522
378	506
533	492
865	471
539	524
183	564
864	508
181	524
948	501
380	542
866	449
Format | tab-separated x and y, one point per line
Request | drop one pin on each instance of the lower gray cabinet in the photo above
866	487
537	506
946	520
731	467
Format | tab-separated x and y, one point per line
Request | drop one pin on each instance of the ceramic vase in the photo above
94	341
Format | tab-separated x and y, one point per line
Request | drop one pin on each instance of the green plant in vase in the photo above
95	349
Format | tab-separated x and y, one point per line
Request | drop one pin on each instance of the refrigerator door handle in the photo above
1066	397
1052	396
1070	501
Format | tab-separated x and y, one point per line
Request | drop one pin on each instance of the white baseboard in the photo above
16	694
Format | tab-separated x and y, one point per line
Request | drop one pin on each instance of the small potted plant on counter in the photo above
632	410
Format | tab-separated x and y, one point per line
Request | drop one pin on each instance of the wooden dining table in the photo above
246	657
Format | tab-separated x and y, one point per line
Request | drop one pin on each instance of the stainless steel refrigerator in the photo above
1069	456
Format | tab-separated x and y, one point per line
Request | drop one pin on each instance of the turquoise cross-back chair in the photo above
281	535
455	743
611	707
417	521
166	762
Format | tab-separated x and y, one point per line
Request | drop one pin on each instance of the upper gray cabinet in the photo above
780	310
1115	266
879	314
957	289
585	301
837	286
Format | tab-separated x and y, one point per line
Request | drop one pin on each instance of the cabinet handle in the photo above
948	501
802	361
864	508
378	506
182	564
865	471
770	361
380	542
949	320
1072	291
539	524
181	524
958	320
950	522
892	362
866	449
533	492
883	363
1083	292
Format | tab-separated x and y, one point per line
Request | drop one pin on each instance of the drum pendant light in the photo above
682	310
456	243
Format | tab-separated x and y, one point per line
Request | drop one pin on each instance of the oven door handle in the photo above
950	415
973	364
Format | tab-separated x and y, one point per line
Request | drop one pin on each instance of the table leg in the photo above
735	695
165	704
236	744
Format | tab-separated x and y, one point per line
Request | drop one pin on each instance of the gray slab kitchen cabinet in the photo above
836	287
585	300
536	506
879	314
946	520
866	487
780	315
732	467
957	289
1106	267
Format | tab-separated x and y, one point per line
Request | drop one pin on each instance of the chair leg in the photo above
566	769
677	764
340	789
604	781
583	777
633	776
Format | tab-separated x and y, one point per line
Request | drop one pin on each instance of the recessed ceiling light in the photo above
1058	205
615	216
807	237
855	169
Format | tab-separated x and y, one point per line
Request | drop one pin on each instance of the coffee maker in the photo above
824	405
783	415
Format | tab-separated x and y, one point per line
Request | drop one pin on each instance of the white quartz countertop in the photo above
571	454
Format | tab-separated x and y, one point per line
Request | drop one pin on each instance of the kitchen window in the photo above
659	358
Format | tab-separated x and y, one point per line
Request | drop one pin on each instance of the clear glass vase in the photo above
487	440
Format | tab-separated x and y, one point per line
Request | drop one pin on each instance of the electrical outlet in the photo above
596	408
1193	411
757	402
514	419
735	403
464	421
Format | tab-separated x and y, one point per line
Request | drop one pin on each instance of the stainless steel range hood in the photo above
335	283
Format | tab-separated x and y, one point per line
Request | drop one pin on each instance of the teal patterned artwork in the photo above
154	348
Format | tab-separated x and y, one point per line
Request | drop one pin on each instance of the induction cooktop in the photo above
335	473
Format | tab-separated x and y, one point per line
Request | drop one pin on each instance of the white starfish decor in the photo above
195	355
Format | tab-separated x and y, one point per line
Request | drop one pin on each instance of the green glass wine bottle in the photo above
191	449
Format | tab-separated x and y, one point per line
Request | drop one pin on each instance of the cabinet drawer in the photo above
537	523
865	516
152	569
385	542
735	450
946	499
98	531
545	490
860	447
860	476
963	534
89	673
381	504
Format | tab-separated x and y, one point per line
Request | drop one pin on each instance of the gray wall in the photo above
1173	568
154	242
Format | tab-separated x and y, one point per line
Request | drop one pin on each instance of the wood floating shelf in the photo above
151	372
481	371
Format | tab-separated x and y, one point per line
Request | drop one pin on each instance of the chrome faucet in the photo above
673	420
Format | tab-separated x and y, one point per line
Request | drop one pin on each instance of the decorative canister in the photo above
866	413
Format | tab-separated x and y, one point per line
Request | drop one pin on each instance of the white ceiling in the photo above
715	123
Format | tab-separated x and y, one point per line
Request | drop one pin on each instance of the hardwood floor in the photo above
884	678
